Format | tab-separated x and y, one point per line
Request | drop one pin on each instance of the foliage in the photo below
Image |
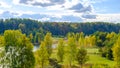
53	62
100	38
1	41
81	56
106	51
18	50
116	52
60	52
71	50
48	43
81	40
42	56
28	26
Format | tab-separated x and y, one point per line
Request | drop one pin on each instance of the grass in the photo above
95	58
92	50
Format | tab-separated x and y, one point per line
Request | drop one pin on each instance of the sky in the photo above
62	10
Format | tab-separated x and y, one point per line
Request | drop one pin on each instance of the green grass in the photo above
92	50
95	58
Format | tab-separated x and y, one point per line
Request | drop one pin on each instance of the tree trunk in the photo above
81	66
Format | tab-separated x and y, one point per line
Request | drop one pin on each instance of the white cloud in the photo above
44	19
42	1
15	2
59	9
1	11
105	18
4	5
71	3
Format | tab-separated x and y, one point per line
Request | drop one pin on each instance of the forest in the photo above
59	44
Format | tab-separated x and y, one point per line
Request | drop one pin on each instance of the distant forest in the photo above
28	26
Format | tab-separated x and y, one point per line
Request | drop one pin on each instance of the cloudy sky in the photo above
62	10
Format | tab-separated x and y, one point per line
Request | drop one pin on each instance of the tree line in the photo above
28	26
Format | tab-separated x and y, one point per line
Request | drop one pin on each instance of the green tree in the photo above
48	43
81	56
81	41
71	50
60	52
116	52
22	27
1	41
42	55
1	48
31	37
18	50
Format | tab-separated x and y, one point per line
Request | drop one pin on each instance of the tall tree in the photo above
18	50
48	43
1	41
116	52
1	48
81	40
60	52
71	50
81	56
42	55
31	37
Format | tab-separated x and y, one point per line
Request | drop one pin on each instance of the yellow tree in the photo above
48	43
42	55
91	41
60	52
1	41
1	47
71	50
81	40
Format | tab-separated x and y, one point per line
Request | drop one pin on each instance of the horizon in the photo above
62	10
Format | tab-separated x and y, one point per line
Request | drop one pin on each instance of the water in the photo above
36	47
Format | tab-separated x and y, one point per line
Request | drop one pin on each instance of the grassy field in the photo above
95	58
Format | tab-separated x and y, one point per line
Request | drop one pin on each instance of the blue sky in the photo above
62	10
